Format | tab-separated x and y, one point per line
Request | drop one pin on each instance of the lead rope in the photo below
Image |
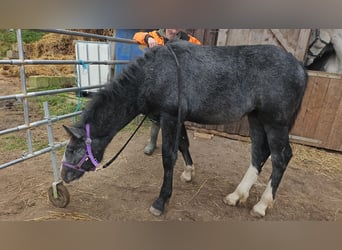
123	147
179	116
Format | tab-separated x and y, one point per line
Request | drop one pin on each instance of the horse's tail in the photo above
303	82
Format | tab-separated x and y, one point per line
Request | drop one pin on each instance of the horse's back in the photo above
224	83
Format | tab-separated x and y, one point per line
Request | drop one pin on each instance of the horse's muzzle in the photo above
68	175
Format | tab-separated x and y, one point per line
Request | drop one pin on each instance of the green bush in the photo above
8	37
28	36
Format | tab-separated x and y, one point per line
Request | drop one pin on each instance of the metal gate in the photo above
57	192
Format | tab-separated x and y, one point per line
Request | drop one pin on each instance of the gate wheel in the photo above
63	197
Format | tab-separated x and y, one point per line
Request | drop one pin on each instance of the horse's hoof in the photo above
186	177
155	211
258	212
231	199
188	174
149	150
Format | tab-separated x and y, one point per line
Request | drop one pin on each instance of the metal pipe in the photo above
76	33
49	92
51	142
39	123
34	154
24	90
57	62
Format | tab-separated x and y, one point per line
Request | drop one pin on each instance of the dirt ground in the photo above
311	188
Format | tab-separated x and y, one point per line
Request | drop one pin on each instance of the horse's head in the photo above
319	39
81	154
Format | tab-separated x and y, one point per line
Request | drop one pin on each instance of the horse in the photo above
203	84
325	50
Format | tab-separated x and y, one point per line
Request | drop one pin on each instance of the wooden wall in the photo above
294	41
206	36
319	122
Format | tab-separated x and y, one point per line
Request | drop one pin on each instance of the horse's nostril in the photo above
67	181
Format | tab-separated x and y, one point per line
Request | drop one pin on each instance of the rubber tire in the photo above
63	196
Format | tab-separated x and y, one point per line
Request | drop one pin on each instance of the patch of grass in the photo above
17	143
28	36
12	142
58	104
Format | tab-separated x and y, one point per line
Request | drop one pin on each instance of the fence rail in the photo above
88	35
58	62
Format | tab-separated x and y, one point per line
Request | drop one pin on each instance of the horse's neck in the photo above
333	65
336	40
109	113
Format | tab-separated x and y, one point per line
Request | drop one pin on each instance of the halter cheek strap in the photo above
87	156
88	143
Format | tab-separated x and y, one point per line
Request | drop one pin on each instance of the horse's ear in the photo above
73	132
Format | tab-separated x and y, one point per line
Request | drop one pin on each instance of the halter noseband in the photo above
88	155
317	38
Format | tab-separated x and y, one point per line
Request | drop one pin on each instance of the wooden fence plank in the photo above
222	37
301	120
283	42
329	110
315	105
302	43
244	127
206	36
232	128
335	137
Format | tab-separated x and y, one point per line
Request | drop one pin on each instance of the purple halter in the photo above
88	155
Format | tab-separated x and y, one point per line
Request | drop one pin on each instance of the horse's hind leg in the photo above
189	169
278	139
260	153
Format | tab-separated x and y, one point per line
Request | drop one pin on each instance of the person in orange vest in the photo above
151	39
162	36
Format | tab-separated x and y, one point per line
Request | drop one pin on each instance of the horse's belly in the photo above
214	118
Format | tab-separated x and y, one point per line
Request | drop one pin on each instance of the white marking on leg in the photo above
266	201
241	193
155	211
188	173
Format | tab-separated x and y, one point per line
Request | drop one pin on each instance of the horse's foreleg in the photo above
169	155
189	169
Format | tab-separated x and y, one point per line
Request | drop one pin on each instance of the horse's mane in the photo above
119	89
124	88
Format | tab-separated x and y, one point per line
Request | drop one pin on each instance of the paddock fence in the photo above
25	95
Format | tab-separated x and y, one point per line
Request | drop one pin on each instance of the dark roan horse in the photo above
203	84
